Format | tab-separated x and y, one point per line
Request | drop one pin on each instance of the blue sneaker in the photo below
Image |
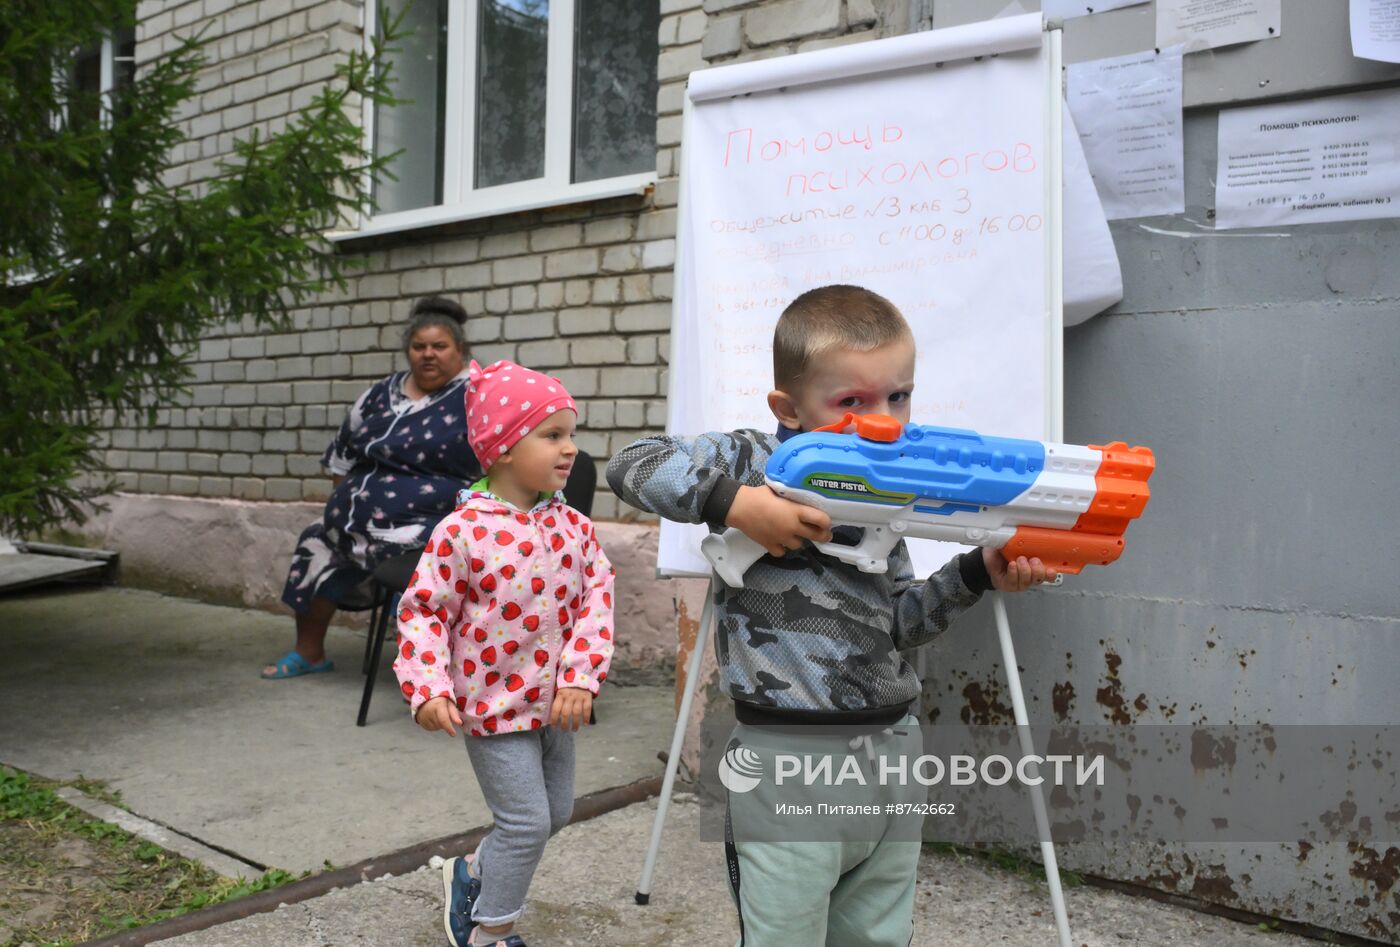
459	893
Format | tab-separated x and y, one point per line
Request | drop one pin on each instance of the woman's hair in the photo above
437	311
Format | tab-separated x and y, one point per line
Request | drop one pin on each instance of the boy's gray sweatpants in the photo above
528	781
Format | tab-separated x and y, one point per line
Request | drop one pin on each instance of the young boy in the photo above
810	639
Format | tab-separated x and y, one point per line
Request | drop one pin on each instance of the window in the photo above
513	104
98	74
415	127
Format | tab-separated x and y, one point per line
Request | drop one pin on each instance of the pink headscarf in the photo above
505	401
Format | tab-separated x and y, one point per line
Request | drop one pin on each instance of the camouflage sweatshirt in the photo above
807	633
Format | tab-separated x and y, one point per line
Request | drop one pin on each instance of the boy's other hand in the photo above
776	524
1017	575
571	708
439	714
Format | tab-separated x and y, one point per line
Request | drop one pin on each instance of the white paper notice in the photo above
1205	24
1333	158
1128	111
1375	29
1064	9
1093	278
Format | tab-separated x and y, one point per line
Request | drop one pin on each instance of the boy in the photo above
810	639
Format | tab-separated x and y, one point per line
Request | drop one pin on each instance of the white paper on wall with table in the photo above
1206	24
1325	159
1375	30
1128	111
1093	277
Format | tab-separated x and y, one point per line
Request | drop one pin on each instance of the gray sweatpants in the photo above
528	781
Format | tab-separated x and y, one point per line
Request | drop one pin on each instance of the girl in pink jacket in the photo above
506	631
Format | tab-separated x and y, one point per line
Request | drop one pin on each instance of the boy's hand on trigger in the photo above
1017	575
438	714
571	708
776	524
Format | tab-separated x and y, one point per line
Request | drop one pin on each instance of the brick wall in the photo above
581	291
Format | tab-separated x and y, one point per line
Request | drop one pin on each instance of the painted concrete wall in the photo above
237	552
1263	368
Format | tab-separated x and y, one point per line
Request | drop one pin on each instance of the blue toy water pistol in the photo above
1064	504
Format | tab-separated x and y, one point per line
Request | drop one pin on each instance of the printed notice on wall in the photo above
1333	158
1375	29
1064	9
1205	24
1128	111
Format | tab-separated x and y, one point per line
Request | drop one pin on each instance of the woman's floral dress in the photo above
403	462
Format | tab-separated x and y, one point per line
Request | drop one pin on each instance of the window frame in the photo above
459	200
107	59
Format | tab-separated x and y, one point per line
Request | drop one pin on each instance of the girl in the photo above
505	630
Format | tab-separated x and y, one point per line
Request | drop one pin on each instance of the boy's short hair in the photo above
831	317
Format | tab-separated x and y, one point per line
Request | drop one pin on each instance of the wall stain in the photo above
1062	699
1111	694
1335	821
1219	888
1207	752
687	631
1062	833
1375	928
1369	865
984	706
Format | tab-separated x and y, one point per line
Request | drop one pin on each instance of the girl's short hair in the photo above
832	317
437	311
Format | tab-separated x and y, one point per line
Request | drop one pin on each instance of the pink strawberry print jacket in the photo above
504	608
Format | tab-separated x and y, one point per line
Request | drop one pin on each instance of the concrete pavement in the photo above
160	698
582	895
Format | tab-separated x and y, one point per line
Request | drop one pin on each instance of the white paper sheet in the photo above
1324	159
1375	30
1064	9
1128	110
1205	24
924	184
1093	278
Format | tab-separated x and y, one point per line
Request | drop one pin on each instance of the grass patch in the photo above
66	877
1004	860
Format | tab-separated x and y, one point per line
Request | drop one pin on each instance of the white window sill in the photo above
497	201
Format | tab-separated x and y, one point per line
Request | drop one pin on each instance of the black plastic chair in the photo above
391	576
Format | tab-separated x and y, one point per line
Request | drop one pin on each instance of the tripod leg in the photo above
1042	822
673	761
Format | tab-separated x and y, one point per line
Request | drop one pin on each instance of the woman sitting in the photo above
397	464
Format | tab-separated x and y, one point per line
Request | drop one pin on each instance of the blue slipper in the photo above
293	664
